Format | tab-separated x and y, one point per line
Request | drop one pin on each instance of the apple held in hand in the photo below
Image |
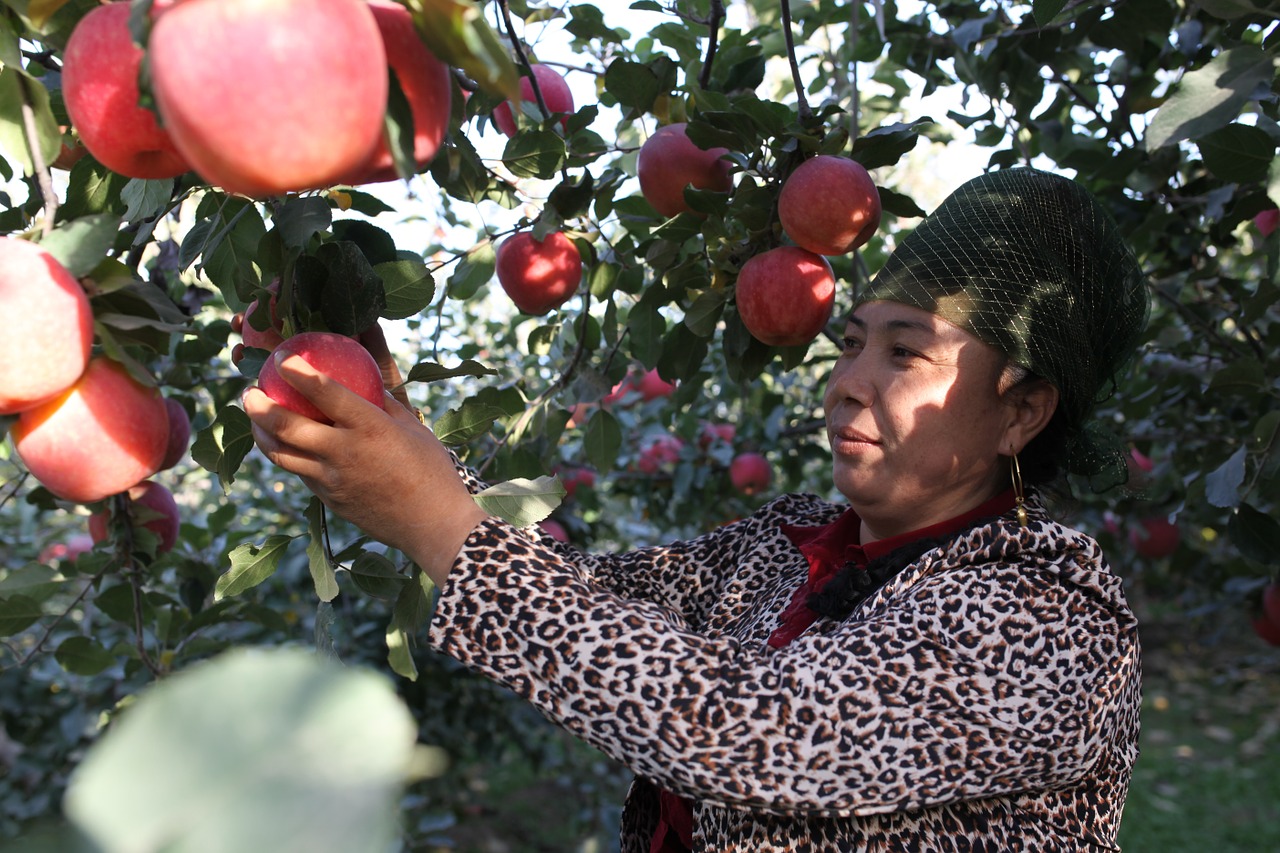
785	296
100	88
423	78
750	473
340	358
669	162
539	275
151	506
46	346
264	97
829	205
103	435
555	93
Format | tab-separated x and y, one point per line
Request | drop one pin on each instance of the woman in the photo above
936	665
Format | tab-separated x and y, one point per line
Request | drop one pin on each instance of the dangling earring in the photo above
1018	500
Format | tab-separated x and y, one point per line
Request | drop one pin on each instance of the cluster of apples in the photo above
259	97
828	206
85	427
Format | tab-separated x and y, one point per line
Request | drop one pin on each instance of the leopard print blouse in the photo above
984	699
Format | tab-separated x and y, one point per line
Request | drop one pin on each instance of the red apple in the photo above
70	153
49	332
713	432
179	434
829	205
341	358
264	97
554	529
267	338
786	295
152	506
750	473
1266	628
1271	601
539	276
1155	537
100	88
1266	221
572	478
555	92
101	436
618	393
425	83
75	545
662	452
1141	461
653	386
669	162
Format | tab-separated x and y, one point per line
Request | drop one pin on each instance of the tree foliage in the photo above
1166	110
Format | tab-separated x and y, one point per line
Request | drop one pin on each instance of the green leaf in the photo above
15	88
475	269
1244	375
223	445
633	84
251	565
146	199
886	145
1222	485
231	255
458	426
602	440
1255	534
534	154
82	656
18	613
81	244
1210	97
1045	11
408	614
429	371
300	218
34	580
457	33
322	574
407	286
257	749
93	188
1238	152
522	502
376	575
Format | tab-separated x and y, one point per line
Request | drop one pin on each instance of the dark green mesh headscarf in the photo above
1032	264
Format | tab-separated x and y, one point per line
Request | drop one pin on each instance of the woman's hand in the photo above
380	469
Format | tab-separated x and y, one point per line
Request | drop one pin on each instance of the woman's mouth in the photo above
847	440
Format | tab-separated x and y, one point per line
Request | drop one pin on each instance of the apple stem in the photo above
713	38
802	104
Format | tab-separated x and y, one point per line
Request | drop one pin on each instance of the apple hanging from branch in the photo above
669	161
785	296
829	205
538	275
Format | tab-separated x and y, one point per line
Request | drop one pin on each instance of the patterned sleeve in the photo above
965	685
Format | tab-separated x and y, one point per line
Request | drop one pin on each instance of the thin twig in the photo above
855	99
39	167
802	103
522	58
713	39
44	638
17	487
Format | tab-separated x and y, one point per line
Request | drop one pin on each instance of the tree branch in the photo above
713	39
802	103
38	166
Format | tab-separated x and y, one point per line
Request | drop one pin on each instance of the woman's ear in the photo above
1032	405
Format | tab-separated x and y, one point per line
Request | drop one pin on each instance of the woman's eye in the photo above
902	352
851	343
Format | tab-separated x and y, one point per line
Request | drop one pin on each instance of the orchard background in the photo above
1167	111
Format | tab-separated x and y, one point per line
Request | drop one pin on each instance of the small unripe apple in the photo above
423	78
785	296
179	434
151	506
539	275
555	92
45	345
101	436
829	205
750	473
265	97
339	357
100	89
1155	537
669	162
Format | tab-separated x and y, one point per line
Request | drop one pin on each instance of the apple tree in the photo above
615	396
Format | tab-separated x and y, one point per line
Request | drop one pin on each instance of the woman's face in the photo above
915	419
